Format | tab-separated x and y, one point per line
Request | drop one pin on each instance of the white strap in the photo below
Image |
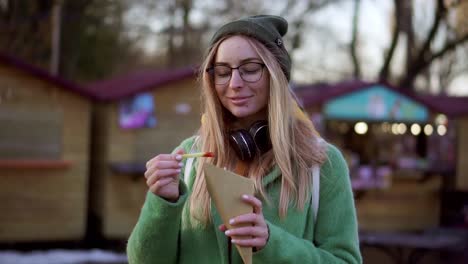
188	169
316	185
189	163
315	190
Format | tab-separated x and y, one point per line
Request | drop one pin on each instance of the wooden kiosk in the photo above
121	149
44	155
400	141
402	213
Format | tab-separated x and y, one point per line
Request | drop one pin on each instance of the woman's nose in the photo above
236	80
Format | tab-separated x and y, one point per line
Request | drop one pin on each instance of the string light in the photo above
402	128
361	128
428	130
415	129
441	130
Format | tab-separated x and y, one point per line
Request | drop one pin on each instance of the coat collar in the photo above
271	176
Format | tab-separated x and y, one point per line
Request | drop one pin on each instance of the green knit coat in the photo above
164	234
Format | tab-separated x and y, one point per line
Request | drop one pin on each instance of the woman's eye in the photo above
222	71
222	74
251	68
250	71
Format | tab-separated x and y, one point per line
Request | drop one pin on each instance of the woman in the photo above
247	102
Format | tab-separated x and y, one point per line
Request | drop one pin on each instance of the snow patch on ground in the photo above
59	256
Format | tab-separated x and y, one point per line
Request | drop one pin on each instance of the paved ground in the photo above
62	256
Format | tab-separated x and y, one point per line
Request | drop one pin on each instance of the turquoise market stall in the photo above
391	139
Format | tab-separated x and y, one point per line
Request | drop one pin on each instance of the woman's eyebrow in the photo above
251	59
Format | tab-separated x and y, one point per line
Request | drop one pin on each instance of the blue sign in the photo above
376	103
137	112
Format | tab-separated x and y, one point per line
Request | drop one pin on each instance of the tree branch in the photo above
384	72
422	64
288	6
298	23
446	72
449	47
316	5
440	13
354	40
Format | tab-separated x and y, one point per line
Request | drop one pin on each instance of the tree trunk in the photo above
354	41
55	37
407	29
385	71
422	60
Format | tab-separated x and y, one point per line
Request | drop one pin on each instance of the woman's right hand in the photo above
162	175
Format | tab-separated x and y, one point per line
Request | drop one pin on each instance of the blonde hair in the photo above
294	141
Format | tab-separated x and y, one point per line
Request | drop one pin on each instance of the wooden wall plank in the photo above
46	204
406	206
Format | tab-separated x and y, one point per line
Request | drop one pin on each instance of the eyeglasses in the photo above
249	72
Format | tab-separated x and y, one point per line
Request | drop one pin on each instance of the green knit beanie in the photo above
265	28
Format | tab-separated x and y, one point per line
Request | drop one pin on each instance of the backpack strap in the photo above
315	190
188	169
189	163
316	185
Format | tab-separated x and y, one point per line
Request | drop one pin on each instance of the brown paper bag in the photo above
226	189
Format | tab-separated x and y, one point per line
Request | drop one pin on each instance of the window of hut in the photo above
30	134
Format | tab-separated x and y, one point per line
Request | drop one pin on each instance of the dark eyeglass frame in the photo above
211	69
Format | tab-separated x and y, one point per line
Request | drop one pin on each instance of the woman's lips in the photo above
239	100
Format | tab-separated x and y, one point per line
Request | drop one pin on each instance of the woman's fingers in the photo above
160	184
256	242
250	218
162	174
254	201
162	168
255	218
163	160
180	151
156	161
247	231
160	157
161	165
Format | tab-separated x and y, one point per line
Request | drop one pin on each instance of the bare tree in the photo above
421	54
297	21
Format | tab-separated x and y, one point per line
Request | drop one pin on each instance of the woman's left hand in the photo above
254	228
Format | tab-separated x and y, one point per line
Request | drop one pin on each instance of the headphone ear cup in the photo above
243	144
261	135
